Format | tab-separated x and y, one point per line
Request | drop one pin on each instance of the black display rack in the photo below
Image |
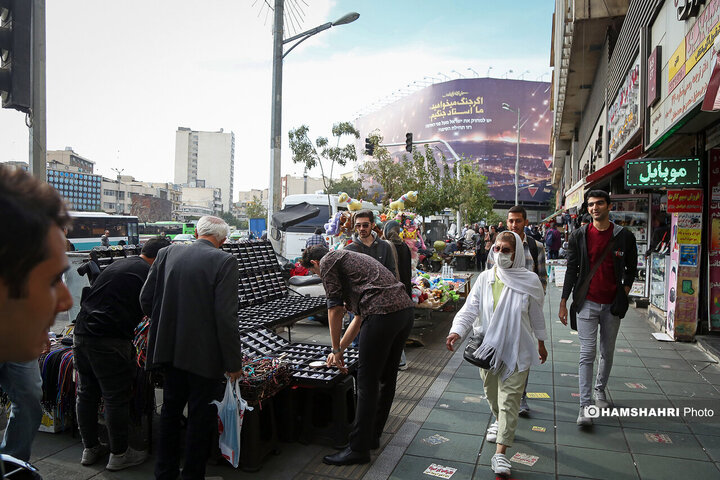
263	296
262	342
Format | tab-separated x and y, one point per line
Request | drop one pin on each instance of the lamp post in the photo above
505	106
119	172
274	188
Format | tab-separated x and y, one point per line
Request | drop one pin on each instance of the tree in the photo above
388	173
229	218
354	188
312	156
255	209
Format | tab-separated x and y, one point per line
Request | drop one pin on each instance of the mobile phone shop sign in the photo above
662	172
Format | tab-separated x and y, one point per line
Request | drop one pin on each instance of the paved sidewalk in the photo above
447	426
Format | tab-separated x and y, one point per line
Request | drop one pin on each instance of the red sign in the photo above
714	236
548	163
685	201
532	190
653	67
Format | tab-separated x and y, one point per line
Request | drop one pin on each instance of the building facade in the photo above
72	176
118	194
206	159
635	99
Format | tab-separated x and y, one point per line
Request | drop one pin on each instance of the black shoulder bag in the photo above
473	344
582	290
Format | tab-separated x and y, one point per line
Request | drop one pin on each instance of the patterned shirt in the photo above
529	264
315	240
362	284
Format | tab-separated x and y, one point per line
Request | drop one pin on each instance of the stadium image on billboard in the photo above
468	114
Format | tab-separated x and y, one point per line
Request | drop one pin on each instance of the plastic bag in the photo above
230	414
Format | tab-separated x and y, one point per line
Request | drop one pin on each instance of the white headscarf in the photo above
503	336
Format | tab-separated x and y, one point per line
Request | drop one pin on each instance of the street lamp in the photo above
505	106
274	189
119	172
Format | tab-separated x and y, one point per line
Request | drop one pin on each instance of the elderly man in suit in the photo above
191	298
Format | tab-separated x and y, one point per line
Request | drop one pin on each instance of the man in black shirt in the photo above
104	355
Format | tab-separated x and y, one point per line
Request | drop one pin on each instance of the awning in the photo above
614	166
550	217
711	103
293	214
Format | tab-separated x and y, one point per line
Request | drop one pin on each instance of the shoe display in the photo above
582	420
601	400
500	465
347	457
124	460
524	407
90	456
492	431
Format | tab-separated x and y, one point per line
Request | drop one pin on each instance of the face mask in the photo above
504	260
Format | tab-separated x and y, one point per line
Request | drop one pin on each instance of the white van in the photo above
291	243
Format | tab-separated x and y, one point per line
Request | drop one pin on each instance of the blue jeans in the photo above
591	316
23	384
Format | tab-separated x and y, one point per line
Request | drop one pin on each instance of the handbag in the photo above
581	292
475	343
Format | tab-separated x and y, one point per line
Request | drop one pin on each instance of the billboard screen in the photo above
468	114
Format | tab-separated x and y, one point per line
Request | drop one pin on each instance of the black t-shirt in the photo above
112	307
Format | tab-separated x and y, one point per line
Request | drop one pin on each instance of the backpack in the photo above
549	237
533	253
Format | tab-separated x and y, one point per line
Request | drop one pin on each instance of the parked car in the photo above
184	238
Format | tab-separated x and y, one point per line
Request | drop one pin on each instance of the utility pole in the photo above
36	118
274	187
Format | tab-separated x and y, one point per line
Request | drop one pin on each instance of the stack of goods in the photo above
263	296
56	368
433	291
307	361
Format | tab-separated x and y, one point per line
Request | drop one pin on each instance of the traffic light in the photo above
16	54
408	142
369	147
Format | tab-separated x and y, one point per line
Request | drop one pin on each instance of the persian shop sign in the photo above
623	115
662	172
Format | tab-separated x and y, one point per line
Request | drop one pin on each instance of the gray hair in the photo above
212	226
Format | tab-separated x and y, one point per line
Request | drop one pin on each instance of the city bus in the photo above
88	227
170	229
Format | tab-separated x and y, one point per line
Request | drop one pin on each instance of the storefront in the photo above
674	266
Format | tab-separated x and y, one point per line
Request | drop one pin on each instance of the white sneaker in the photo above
492	431
128	459
500	465
582	420
90	456
601	400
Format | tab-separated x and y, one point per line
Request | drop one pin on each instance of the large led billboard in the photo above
468	114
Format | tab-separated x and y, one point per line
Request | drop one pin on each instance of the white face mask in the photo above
504	260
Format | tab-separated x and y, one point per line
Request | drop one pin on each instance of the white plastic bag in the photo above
230	414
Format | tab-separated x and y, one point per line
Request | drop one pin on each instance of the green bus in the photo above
170	229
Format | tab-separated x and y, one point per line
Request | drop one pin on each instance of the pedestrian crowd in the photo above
189	294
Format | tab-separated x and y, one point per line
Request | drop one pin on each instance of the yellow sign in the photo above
677	60
538	429
689	236
538	395
704	47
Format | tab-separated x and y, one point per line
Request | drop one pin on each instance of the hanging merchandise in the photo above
231	412
56	368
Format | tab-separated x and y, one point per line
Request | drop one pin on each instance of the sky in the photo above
123	76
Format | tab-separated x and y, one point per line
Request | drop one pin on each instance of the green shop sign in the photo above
662	172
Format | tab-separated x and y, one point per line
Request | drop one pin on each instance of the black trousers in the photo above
106	368
182	387
382	339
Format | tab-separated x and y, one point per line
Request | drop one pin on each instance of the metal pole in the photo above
38	139
517	157
457	170
274	188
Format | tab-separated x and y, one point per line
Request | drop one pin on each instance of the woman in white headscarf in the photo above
506	305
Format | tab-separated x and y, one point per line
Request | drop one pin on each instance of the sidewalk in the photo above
442	395
645	370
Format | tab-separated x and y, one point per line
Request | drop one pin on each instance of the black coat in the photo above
624	254
191	297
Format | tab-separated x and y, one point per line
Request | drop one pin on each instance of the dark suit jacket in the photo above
191	297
